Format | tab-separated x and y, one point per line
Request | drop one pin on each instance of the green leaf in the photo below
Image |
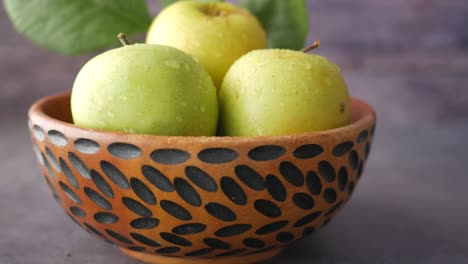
168	2
77	26
286	22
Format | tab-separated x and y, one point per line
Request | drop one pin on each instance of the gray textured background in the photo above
407	58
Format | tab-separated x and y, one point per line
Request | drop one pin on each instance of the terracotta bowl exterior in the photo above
165	199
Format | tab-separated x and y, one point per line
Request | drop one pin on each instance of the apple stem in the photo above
123	39
314	45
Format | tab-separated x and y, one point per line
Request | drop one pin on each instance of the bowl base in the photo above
158	259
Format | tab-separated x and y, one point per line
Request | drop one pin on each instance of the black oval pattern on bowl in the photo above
250	177
79	165
253	243
342	148
142	191
367	150
101	184
187	192
137	248
106	218
308	151
314	185
144	240
351	188
275	188
57	138
38	132
201	179
233	230
272	227
69	192
342	178
93	230
169	156
118	236
267	208
265	153
307	219
86	146
176	240
353	159
68	173
329	195
76	211
157	178
232	252
217	155
144	223
136	207
308	230
114	174
50	172
39	155
284	237
333	209
199	252
326	222
362	136
303	201
98	199
220	211
359	170
189	229
168	250
326	170
124	150
175	210
233	191
216	243
53	160
52	190
291	173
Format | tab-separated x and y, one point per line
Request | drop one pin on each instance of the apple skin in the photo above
216	34
280	92
145	89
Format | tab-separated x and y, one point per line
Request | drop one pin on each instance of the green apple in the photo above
279	92
145	89
216	34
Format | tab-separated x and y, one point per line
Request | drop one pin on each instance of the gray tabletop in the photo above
409	59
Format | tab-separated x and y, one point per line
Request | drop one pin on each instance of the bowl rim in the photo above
364	114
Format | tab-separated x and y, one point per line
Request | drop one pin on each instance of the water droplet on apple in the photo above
111	114
147	68
328	81
260	131
196	44
308	66
203	108
124	98
179	118
172	64
183	103
186	66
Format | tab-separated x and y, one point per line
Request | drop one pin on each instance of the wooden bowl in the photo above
165	199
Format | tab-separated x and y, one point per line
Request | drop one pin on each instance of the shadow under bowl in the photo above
165	199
